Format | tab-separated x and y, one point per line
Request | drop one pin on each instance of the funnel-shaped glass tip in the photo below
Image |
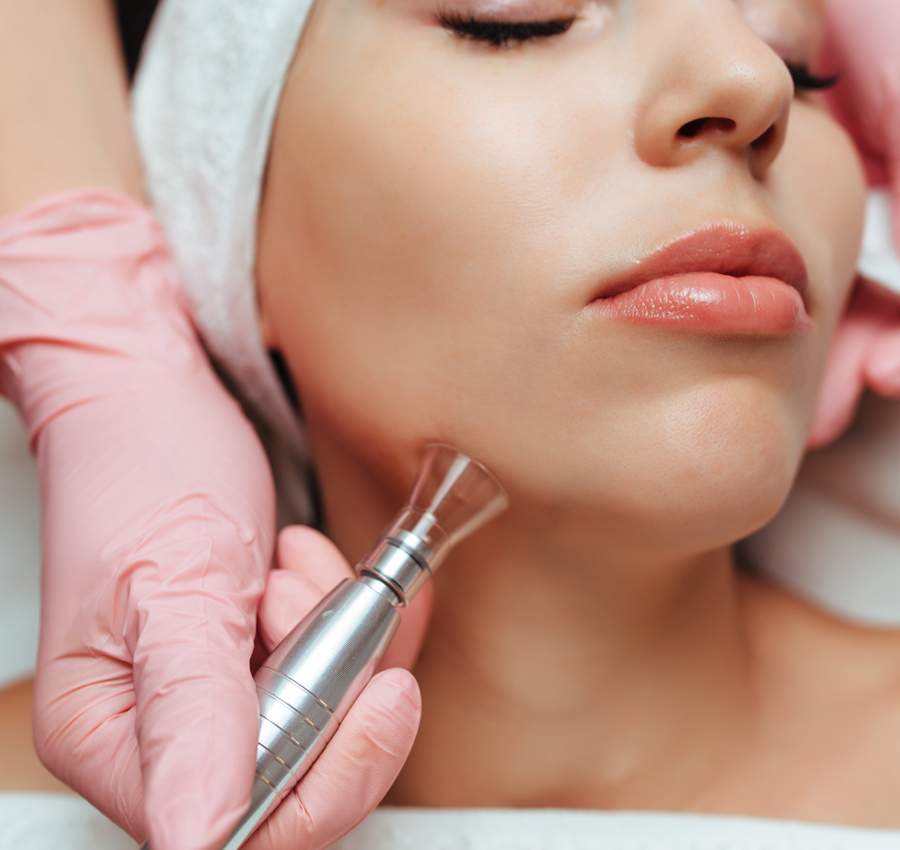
453	495
456	491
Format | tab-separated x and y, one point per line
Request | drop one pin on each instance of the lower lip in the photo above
710	302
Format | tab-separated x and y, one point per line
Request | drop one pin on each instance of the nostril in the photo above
699	125
692	128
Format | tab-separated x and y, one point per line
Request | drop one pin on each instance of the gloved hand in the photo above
864	45
158	531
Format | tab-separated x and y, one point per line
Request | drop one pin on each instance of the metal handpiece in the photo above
308	684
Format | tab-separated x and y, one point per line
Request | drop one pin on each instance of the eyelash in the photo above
804	80
501	33
505	33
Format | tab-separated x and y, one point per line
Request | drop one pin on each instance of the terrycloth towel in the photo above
878	259
53	821
205	100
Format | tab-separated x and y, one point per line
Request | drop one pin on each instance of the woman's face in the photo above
449	211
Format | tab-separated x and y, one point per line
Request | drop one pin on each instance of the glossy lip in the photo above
725	248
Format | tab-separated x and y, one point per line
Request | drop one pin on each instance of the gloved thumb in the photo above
309	565
868	314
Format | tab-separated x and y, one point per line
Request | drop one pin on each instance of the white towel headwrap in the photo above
205	100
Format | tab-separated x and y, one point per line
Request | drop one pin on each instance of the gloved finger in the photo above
882	364
197	725
842	386
892	119
354	772
190	631
838	400
84	716
309	566
868	314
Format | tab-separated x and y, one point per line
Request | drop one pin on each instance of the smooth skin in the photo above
438	215
64	81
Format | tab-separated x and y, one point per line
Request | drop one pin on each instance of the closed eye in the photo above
497	33
804	80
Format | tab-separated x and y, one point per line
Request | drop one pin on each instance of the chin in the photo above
726	508
710	467
728	461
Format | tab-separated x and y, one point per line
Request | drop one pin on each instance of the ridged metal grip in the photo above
307	685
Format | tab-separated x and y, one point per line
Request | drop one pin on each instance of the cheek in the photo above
821	191
424	251
412	232
414	177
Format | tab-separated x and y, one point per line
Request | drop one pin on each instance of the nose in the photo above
714	87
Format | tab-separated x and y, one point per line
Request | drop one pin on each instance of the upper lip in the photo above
725	248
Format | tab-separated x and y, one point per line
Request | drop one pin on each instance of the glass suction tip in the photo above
459	493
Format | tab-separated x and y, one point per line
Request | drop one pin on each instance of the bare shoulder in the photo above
830	697
788	632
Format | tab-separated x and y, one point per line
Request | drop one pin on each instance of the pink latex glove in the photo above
158	531
865	353
864	45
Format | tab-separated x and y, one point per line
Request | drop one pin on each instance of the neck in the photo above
565	677
565	666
